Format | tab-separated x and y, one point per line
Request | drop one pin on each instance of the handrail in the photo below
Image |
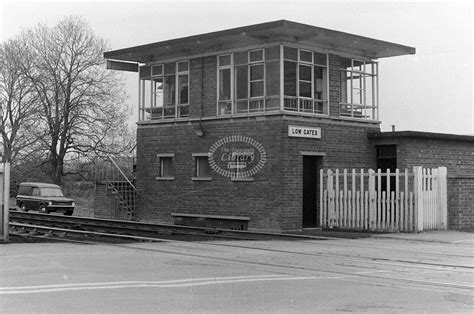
121	172
125	202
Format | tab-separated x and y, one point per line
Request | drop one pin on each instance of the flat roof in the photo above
257	34
424	135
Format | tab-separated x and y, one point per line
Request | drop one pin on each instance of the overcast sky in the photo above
430	91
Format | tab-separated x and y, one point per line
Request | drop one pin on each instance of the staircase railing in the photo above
121	172
120	190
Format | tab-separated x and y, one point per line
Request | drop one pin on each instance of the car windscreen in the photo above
51	192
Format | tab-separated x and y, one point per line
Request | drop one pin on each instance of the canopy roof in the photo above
276	31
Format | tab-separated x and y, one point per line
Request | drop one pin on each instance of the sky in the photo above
430	91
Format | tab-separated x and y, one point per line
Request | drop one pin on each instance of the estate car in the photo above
43	197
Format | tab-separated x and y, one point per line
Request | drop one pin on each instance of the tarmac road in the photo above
363	275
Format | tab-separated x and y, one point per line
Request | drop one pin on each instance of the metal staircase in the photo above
116	194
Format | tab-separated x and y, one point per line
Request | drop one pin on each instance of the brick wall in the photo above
334	84
457	156
461	202
101	201
203	87
273	200
456	153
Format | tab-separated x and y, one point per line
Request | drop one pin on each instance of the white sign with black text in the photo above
304	131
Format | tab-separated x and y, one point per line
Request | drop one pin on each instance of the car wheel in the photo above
68	213
23	207
43	210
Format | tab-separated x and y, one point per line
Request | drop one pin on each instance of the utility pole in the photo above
4	188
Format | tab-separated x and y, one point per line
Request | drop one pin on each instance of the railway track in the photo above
87	229
25	223
59	227
131	229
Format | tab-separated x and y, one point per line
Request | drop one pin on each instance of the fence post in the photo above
442	199
330	188
418	190
372	216
321	200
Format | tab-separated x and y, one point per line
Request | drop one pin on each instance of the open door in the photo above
311	166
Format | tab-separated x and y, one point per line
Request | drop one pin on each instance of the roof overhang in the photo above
258	34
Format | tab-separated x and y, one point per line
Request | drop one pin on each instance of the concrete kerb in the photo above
440	236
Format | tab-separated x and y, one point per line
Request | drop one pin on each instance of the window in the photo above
242	80
183	89
305	81
165	167
202	167
256	87
164	91
241	88
251	81
272	85
358	97
224	85
169	96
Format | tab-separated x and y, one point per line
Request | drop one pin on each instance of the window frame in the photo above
178	105
230	101
298	102
151	79
257	100
161	157
361	110
197	176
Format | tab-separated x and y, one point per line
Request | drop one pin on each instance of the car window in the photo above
24	190
54	192
35	192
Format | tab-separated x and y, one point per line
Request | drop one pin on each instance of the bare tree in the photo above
17	98
82	103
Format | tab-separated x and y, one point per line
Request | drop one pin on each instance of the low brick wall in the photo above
461	202
101	202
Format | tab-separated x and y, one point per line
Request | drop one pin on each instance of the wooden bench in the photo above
211	221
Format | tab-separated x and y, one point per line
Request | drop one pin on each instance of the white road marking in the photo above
157	284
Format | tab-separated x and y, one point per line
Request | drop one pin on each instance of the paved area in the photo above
431	272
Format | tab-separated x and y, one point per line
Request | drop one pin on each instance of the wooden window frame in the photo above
231	98
161	157
300	100
363	109
151	79
197	175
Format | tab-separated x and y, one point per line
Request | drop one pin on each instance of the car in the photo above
43	197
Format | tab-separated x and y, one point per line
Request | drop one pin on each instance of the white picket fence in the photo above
406	201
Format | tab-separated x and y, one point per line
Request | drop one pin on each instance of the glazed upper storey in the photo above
276	67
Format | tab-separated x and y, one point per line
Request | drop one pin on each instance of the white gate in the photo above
408	201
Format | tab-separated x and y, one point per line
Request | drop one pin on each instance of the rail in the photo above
141	228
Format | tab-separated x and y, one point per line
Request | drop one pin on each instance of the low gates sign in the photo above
304	131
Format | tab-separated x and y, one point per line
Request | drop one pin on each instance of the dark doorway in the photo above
311	166
387	159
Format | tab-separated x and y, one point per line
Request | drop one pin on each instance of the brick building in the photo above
408	149
234	125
